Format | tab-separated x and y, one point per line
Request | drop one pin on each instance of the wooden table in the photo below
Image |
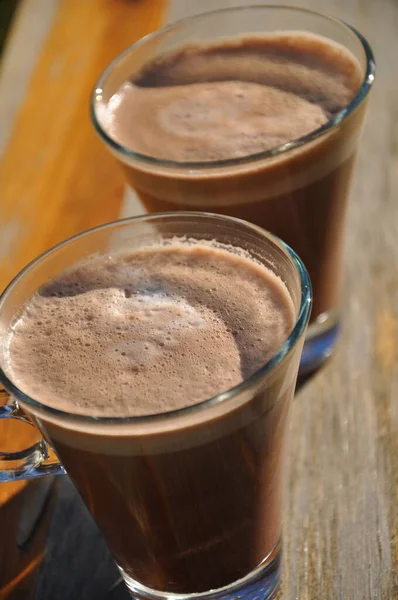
341	518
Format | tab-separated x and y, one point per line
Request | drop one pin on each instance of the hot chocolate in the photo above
187	506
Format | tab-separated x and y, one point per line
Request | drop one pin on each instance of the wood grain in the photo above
341	517
341	513
56	179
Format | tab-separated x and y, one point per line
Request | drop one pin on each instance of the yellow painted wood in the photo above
56	178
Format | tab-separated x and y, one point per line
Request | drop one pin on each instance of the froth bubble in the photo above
165	312
147	322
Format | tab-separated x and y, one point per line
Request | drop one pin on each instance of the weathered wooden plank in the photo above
341	521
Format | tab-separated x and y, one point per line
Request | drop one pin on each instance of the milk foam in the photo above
232	99
206	122
149	331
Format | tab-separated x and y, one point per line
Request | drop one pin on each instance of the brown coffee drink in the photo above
204	112
189	504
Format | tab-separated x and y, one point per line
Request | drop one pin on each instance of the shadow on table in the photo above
304	380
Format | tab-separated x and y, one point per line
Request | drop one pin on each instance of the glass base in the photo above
319	342
262	583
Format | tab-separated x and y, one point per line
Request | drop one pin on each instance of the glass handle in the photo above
28	463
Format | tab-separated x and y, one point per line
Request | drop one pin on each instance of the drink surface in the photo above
234	99
149	331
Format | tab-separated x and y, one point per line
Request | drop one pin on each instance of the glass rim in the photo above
361	94
297	330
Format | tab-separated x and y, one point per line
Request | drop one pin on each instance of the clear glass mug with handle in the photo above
189	500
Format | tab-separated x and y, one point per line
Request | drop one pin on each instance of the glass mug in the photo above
298	191
189	501
26	512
